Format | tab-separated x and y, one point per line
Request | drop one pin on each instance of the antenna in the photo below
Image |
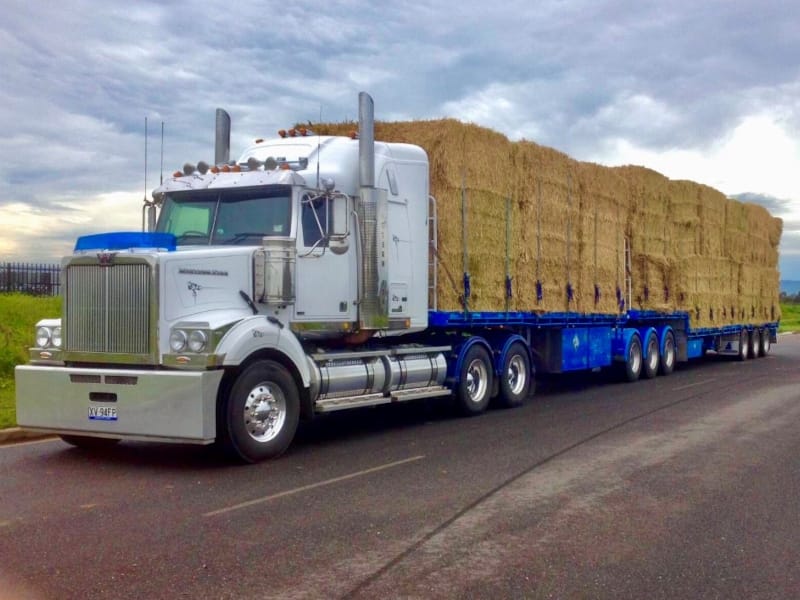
161	177
145	159
319	141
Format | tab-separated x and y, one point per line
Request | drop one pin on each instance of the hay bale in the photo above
691	248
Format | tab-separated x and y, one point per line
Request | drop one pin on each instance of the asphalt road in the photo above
684	486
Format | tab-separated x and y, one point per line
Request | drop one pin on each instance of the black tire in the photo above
89	443
475	381
516	377
667	363
260	414
650	368
755	343
633	361
766	343
744	345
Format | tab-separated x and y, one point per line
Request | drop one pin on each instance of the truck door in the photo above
325	279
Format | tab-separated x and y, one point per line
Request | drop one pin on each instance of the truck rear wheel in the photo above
651	360
261	412
516	378
633	361
475	381
667	363
744	345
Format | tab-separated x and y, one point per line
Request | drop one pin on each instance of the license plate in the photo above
102	413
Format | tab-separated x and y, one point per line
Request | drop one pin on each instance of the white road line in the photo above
312	486
691	385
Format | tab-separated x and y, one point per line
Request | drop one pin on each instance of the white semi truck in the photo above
291	282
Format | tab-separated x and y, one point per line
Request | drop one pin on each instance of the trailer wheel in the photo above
261	413
652	360
755	343
516	378
744	345
765	345
667	363
633	362
475	381
89	443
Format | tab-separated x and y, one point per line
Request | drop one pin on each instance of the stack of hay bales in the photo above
583	236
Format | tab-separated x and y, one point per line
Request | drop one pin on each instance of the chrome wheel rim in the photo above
477	378
635	358
517	375
652	355
264	412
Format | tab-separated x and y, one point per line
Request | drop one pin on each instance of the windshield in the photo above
233	217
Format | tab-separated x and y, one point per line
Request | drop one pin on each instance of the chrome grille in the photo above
108	308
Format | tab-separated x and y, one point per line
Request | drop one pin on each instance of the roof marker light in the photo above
178	174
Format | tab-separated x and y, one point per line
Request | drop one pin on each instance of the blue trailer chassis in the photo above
566	342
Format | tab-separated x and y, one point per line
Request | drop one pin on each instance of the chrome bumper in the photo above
171	406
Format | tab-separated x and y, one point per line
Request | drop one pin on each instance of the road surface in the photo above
684	486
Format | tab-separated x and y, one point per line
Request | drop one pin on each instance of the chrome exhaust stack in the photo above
222	138
372	213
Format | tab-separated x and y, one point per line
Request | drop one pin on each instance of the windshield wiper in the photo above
188	235
238	237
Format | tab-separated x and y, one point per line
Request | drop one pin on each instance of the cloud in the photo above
706	91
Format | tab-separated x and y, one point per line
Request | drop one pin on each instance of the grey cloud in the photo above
776	206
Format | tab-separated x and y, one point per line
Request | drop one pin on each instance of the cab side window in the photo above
314	220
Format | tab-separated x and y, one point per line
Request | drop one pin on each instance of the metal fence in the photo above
26	278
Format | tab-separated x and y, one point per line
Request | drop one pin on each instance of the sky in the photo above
708	91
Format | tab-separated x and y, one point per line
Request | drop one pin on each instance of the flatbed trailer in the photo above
642	343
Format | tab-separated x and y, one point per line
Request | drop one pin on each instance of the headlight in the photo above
56	337
43	337
197	340
177	340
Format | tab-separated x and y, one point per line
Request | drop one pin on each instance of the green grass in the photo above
18	316
790	317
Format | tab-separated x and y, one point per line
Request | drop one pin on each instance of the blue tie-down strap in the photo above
570	292
646	293
596	294
508	287
620	300
666	293
539	291
123	240
466	286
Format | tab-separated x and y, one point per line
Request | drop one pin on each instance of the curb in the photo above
17	434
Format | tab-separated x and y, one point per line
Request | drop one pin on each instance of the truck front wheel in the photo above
261	413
